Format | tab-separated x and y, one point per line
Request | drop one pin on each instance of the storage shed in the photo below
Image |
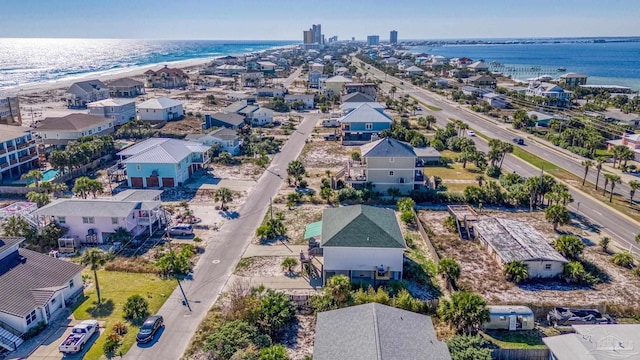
508	317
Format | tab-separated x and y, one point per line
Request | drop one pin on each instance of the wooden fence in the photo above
423	233
520	354
81	170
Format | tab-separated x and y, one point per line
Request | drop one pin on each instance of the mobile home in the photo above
508	317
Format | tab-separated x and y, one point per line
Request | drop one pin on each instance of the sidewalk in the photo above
280	282
279	249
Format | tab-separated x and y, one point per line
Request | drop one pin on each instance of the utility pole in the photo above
173	264
271	208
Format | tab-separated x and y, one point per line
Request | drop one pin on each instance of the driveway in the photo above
49	348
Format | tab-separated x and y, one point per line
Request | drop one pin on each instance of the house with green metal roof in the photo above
362	242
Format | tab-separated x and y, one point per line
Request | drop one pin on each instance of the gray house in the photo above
376	331
389	163
83	92
228	120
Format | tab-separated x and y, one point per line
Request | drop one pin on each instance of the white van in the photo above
330	123
181	230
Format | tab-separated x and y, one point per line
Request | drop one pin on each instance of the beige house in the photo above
388	163
511	240
61	130
166	77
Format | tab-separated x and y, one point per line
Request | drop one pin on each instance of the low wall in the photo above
18	190
520	354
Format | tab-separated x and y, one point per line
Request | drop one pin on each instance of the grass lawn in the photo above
454	171
115	288
525	339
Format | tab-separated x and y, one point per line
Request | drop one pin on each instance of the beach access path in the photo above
621	228
223	251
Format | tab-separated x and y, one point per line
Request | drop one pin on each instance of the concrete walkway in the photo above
274	250
281	282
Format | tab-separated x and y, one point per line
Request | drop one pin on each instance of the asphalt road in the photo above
620	228
220	257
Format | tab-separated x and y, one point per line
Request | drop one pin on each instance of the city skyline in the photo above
284	20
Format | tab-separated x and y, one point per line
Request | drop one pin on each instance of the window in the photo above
368	126
179	165
62	220
53	301
138	167
391	173
31	317
71	284
114	221
547	266
90	132
88	220
99	128
392	159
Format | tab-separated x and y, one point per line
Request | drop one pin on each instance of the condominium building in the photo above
9	110
18	152
393	37
373	40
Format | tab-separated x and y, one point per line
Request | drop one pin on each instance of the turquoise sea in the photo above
612	62
28	61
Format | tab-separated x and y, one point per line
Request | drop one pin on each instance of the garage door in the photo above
153	181
168	182
136	182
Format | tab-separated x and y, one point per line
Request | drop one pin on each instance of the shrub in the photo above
407	217
275	352
278	310
569	246
516	271
451	224
34	331
464	347
405	204
604	243
111	344
136	307
120	328
574	273
233	336
493	171
623	259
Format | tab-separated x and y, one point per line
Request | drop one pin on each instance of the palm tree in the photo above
393	192
623	259
506	149
41	199
573	271
295	169
465	311
557	215
35	175
587	165
288	264
516	271
339	288
95	259
480	179
625	155
633	185
599	163
430	121
449	269
224	195
81	186
393	91
613	180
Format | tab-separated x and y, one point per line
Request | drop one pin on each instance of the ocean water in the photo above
611	63
27	61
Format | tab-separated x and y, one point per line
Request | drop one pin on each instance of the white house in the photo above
307	99
120	110
92	221
81	93
362	242
261	116
61	130
316	67
413	70
160	109
549	90
34	288
334	84
227	138
495	100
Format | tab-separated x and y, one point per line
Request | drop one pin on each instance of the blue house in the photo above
364	121
161	162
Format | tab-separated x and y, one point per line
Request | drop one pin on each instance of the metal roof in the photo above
313	230
137	195
376	331
516	241
110	102
161	150
159	103
366	114
87	207
597	342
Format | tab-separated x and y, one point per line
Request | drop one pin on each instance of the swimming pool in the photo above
50	174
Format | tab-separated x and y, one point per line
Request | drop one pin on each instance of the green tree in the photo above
41	199
449	269
136	308
464	347
557	215
95	259
33	175
288	264
408	217
465	311
274	352
224	195
84	186
570	246
235	335
277	311
587	165
339	289
295	169
623	259
613	179
394	193
405	204
599	163
430	121
604	243
633	186
326	193
516	271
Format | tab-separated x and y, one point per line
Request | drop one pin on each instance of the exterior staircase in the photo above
9	340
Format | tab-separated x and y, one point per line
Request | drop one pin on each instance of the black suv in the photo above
519	141
149	329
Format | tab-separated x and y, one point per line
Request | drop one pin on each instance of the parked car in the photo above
519	141
332	137
181	230
471	133
419	108
149	328
79	336
330	123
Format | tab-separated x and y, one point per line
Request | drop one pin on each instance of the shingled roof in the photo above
72	122
387	147
361	226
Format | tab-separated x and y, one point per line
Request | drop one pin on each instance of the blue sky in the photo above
285	19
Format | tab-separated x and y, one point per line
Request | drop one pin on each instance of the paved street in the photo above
622	229
222	253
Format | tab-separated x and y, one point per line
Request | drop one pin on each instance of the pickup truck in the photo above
79	336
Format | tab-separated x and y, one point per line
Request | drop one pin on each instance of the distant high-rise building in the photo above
333	39
393	37
317	33
307	37
373	40
353	39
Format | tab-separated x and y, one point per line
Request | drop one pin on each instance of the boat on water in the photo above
562	69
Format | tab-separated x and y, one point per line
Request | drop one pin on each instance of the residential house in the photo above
388	163
552	91
167	78
483	81
271	91
341	71
596	342
267	67
254	115
495	100
573	79
357	97
61	130
364	121
541	118
369	89
228	139
350	106
161	162
334	84
10	110
615	115
313	77
18	152
34	288
81	93
228	120
160	109
363	243
474	91
511	240
376	331
229	70
632	141
252	79
124	88
462	62
121	111
478	66
94	221
316	67
261	117
413	71
229	59
307	99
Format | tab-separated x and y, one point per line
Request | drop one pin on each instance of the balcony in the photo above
25	158
4	165
357	164
418	177
382	273
419	163
3	151
13	161
356	178
11	148
26	144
